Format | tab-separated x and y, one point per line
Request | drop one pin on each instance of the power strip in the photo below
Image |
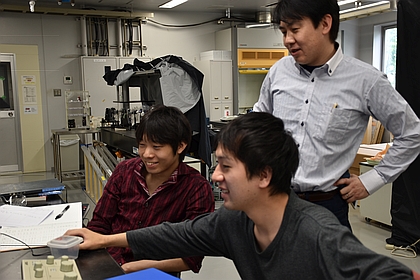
51	269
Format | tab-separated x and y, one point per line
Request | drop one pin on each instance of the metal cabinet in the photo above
77	109
217	87
260	38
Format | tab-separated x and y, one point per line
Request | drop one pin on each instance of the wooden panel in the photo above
259	58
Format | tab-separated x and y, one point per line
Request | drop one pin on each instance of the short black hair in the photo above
289	10
165	125
259	140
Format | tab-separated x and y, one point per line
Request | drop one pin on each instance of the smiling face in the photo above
238	191
307	44
159	159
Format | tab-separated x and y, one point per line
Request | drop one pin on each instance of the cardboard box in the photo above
364	152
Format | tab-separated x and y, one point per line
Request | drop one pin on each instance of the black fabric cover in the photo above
405	207
200	143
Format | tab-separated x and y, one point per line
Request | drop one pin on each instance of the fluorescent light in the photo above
345	2
364	7
172	3
257	25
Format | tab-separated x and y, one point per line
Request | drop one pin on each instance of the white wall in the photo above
58	37
185	42
366	26
350	40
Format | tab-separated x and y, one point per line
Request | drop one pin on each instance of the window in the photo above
389	51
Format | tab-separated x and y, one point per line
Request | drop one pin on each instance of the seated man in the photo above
263	226
154	188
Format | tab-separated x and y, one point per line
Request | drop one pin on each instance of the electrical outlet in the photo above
57	92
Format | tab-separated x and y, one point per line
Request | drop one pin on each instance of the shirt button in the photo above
301	123
146	204
312	80
139	223
298	145
306	101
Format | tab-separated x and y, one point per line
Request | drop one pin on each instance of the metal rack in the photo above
86	135
99	164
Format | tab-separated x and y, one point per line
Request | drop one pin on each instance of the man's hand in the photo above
91	240
137	265
354	189
170	265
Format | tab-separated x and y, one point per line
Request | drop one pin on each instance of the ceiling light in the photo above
365	10
257	25
32	6
345	2
364	7
172	3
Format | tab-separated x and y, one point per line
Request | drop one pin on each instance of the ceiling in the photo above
210	6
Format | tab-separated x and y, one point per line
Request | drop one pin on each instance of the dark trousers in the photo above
339	207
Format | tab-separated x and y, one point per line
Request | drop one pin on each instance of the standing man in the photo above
325	99
156	187
263	227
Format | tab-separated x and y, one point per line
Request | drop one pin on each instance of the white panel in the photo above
101	95
217	87
378	205
260	38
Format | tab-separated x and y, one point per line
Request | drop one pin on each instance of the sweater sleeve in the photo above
200	201
200	237
342	256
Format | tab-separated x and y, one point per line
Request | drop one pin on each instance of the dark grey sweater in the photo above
311	244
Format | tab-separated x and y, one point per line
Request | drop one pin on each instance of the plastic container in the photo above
65	246
69	149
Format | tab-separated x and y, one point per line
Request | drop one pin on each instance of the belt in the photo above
317	195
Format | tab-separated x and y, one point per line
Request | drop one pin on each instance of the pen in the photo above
62	212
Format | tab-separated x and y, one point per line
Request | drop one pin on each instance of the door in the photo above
10	140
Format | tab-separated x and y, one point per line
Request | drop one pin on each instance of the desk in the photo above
92	265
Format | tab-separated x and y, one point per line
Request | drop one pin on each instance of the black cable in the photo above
32	251
130	36
200	23
96	25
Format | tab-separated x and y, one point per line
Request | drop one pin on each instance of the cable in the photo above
195	24
32	251
401	251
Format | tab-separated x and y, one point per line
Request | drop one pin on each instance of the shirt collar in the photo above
173	178
331	64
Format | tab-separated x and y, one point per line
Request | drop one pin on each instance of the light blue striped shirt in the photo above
327	112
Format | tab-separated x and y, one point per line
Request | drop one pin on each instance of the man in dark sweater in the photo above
263	227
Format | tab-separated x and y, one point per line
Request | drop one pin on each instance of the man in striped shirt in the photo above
325	99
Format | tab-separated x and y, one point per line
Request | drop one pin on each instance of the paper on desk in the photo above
18	216
50	228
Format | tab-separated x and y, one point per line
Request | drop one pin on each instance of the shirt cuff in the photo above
372	181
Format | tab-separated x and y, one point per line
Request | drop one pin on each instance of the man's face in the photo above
158	158
305	42
238	192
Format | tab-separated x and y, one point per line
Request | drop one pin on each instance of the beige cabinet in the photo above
377	206
217	87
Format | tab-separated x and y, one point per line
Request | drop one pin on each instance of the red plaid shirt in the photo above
127	205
